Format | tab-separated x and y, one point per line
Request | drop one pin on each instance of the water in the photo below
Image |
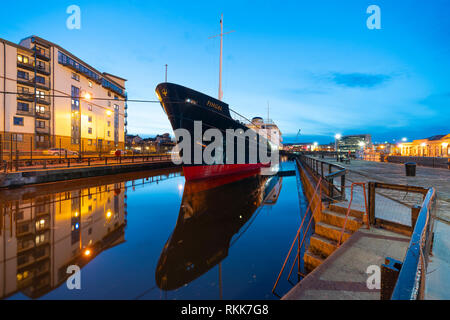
133	241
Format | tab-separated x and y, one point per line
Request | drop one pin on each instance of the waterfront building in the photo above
51	99
354	143
435	146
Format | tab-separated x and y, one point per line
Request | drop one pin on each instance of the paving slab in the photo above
343	274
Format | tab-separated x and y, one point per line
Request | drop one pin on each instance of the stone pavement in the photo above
342	276
364	171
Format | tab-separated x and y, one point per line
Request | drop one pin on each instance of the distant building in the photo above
354	143
132	140
435	146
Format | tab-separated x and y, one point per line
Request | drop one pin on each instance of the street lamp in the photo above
336	139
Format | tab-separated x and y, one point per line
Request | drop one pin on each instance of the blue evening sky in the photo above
315	62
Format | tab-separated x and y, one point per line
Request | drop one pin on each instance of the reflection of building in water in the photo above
41	235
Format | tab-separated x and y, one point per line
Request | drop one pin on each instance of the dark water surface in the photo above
149	235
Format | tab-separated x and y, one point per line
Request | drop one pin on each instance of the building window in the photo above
90	142
90	84
40	94
90	130
40	80
23	59
109	134
40	109
90	119
40	124
21	106
90	107
109	94
18	121
22	75
75	76
18	137
109	123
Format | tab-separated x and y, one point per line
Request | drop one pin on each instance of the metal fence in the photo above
76	161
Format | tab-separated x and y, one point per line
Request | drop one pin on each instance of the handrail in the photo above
296	236
365	217
336	174
303	240
411	279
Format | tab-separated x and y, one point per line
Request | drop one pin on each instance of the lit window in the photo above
19	58
90	84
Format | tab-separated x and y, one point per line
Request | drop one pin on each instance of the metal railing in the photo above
411	280
297	237
74	161
328	172
365	217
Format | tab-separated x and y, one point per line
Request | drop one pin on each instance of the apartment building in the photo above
50	98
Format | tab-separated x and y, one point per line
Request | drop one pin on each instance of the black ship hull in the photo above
183	107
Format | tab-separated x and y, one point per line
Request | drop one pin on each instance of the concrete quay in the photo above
342	276
342	272
28	177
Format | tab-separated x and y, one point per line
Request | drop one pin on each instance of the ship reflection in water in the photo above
211	214
147	235
43	232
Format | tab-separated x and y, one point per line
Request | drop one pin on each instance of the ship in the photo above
185	106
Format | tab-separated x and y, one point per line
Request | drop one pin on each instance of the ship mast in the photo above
221	54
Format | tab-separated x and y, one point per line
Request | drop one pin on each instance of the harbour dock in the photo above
53	170
394	204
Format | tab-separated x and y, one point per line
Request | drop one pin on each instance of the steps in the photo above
328	232
338	219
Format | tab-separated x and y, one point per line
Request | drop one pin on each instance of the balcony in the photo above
26	65
45	130
25	95
43	115
24	112
43	69
42	85
43	99
32	82
42	53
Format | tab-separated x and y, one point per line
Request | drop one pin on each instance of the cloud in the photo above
359	80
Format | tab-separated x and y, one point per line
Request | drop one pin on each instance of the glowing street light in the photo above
404	139
337	137
108	112
87	96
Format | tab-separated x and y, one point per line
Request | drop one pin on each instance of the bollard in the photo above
389	275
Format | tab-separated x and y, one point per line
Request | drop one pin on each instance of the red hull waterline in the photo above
219	170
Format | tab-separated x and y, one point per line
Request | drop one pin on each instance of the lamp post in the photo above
336	145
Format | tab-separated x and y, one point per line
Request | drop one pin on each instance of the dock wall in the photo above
17	179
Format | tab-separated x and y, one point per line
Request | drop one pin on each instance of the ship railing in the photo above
242	119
